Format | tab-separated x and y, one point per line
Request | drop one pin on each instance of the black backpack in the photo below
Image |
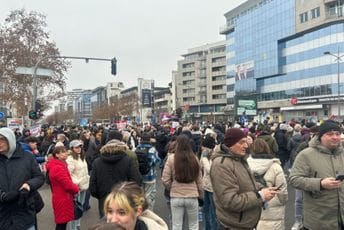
143	159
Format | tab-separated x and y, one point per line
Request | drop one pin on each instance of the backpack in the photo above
142	158
260	178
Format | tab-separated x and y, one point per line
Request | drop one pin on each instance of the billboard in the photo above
146	98
247	107
244	70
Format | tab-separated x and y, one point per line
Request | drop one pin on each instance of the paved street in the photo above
46	221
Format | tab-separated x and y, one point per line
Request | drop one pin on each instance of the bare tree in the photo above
23	41
118	107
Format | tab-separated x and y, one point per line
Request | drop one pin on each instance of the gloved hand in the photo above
8	196
23	195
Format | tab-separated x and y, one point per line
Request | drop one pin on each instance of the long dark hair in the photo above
185	162
77	155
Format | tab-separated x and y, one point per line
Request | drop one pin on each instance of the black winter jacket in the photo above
20	168
111	167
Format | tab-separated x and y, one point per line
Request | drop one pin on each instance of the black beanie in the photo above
232	136
328	126
114	135
208	142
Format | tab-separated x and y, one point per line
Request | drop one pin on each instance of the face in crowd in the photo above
125	204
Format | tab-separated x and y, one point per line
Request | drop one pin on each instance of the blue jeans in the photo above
178	206
75	223
298	205
209	215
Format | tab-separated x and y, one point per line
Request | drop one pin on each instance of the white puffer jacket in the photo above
273	215
79	172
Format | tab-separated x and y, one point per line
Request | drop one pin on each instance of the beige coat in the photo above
79	172
273	215
177	189
152	220
205	165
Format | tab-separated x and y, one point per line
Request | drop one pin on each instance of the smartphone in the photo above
279	187
340	177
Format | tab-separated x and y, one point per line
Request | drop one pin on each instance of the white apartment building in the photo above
199	84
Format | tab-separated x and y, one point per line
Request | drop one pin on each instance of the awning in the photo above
301	107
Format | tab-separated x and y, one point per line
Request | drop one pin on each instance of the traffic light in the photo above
114	66
32	115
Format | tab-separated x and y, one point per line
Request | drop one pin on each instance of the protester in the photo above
210	222
113	166
264	164
62	187
183	178
20	178
127	206
149	179
238	198
314	171
77	167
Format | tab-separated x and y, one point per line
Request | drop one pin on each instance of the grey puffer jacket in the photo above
238	204
322	208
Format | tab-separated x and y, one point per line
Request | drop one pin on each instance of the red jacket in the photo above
63	190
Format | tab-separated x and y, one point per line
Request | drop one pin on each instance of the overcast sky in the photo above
146	36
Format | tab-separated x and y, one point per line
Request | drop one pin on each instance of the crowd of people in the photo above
216	176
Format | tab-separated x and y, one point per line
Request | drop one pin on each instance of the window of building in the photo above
315	13
304	17
219	96
217	87
230	88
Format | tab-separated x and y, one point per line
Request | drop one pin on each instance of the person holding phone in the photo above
314	171
262	162
237	196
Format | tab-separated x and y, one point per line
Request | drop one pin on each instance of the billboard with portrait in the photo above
244	70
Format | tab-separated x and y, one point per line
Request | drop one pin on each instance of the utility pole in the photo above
338	60
34	75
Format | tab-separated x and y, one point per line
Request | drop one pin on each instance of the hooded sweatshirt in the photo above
11	139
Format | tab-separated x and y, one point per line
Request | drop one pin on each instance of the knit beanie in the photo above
208	142
232	136
328	126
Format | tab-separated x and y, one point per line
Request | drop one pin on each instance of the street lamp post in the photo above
338	60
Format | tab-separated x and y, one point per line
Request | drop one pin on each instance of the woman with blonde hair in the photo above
183	178
127	206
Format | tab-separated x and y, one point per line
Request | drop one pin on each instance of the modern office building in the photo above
281	58
199	84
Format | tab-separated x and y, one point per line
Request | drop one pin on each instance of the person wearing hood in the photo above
113	166
127	206
20	178
238	197
263	163
314	171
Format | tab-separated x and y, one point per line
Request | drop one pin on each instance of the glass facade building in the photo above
275	55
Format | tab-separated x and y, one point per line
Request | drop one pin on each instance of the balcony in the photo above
226	28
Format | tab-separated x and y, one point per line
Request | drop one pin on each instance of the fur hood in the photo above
113	147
